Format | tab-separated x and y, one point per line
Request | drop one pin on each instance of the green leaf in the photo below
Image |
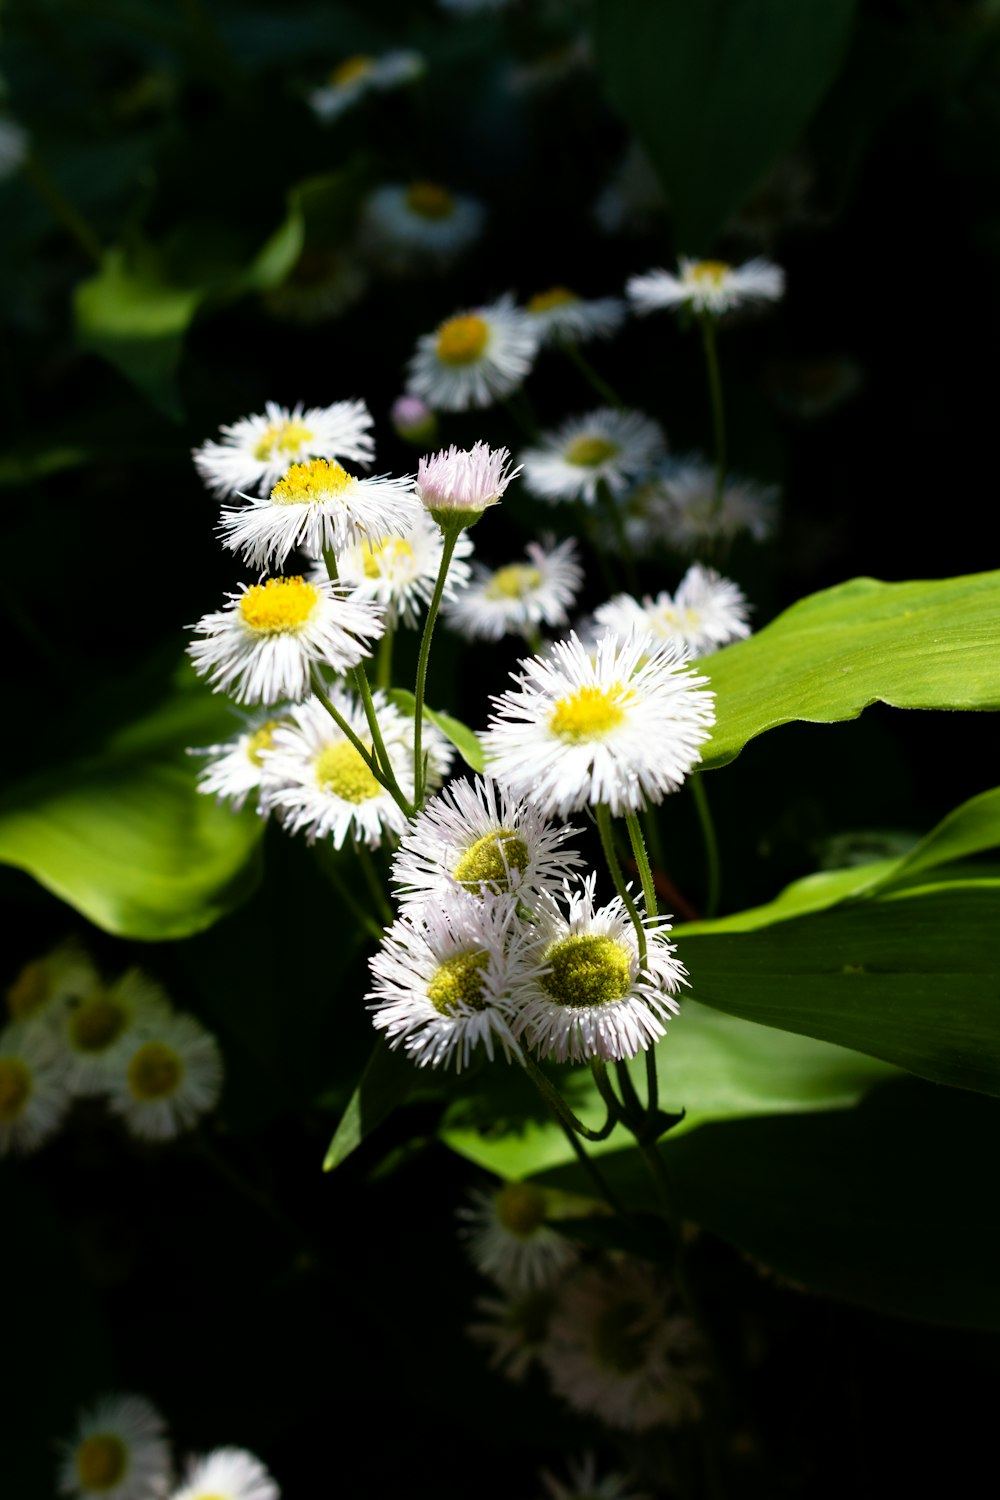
460	735
911	645
911	976
386	1082
712	1066
126	838
716	91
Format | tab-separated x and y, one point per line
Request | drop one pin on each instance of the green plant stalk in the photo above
383	662
374	883
718	411
557	1104
363	918
604	390
603	815
621	535
320	693
450	538
704	811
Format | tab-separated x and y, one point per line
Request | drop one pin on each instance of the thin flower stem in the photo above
374	882
534	641
586	518
651	830
383	662
451	536
603	815
621	535
711	844
718	411
320	693
363	918
642	860
604	390
379	759
635	1113
560	1108
605	1088
61	208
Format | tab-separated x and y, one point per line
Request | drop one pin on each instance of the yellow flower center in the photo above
29	991
429	200
483	863
101	1462
311	483
587	969
513	582
457	981
15	1088
279	606
379	557
589	712
154	1072
261	740
281	439
588	452
557	296
708	273
351	69
462	340
520	1208
340	770
96	1023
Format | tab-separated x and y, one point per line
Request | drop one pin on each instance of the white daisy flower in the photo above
256	451
44	984
621	726
562	316
316	782
474	358
514	1329
263	645
95	1030
119	1451
445	980
458	484
620	1349
707	286
684	511
475	836
234	766
34	1096
317	506
609	445
227	1474
584	1484
591	997
521	597
509	1240
421	226
706	612
168	1076
363	74
397	574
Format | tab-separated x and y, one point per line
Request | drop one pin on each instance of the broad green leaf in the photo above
717	90
891	1205
712	1071
125	837
971	829
911	645
460	735
911	976
386	1082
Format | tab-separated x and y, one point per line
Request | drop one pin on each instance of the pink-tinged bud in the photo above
414	420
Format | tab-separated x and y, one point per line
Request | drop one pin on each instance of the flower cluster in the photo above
120	1450
73	1035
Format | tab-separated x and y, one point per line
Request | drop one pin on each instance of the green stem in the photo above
635	1114
61	208
642	860
711	844
718	410
361	916
590	375
560	1108
374	882
603	815
383	662
612	1103
651	830
621	535
451	536
390	785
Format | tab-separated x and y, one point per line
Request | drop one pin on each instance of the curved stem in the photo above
718	410
612	1103
320	693
711	844
363	918
383	661
560	1108
642	860
603	815
604	390
374	882
450	538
